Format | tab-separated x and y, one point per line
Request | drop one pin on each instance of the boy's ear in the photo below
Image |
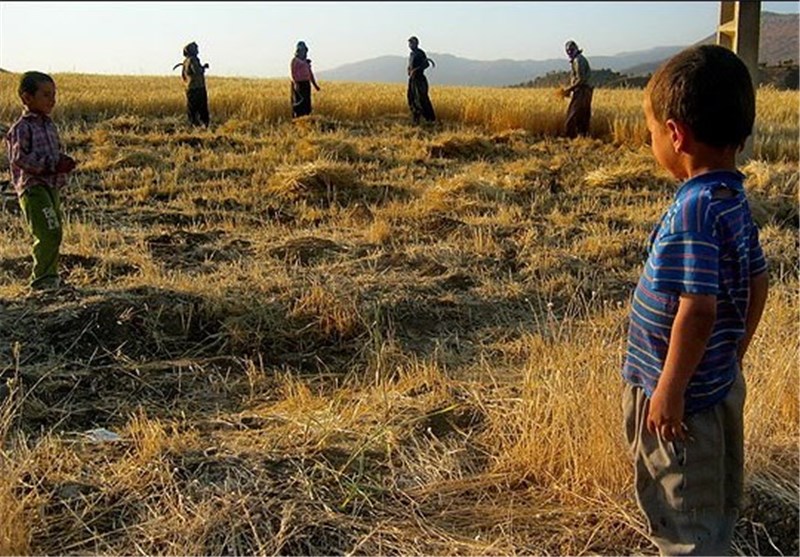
679	133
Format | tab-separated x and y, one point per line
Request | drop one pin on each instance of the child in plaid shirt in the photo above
38	171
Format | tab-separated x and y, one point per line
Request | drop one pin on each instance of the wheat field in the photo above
345	334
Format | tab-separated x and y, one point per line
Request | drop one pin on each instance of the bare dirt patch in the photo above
131	325
307	251
187	250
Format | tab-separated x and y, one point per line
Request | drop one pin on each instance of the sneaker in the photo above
52	287
50	283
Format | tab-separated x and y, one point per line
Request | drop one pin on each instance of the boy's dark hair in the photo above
709	89
190	49
29	82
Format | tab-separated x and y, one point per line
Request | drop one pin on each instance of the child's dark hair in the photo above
29	82
709	89
190	49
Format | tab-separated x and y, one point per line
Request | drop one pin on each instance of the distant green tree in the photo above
604	78
785	76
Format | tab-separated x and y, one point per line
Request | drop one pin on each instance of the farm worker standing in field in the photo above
418	100
38	171
579	112
193	75
302	80
695	309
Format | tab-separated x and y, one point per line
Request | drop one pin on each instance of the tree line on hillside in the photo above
782	77
785	76
604	78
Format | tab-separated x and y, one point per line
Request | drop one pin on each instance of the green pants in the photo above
41	207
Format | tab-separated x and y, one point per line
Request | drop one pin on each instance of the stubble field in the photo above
349	335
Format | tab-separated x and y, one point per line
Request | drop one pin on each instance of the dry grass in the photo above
242	106
348	335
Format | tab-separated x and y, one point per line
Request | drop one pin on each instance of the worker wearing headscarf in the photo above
193	76
302	80
418	100
580	91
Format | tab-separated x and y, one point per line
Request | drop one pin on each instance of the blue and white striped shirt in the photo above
705	243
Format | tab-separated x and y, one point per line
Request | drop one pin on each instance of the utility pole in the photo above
739	29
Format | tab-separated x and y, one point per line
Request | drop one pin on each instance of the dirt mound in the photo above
306	251
148	217
68	399
134	325
189	250
423	265
458	281
19	268
419	326
440	224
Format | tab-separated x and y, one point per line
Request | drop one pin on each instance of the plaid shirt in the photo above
33	151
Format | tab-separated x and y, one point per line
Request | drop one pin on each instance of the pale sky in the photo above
257	39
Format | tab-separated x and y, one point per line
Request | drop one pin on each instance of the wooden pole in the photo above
739	29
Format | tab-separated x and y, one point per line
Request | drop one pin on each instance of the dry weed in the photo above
344	334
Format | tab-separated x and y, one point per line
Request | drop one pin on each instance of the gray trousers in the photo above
690	492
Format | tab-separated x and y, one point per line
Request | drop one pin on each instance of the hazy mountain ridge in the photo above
452	70
778	43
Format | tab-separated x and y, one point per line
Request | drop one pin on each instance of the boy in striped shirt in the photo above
695	309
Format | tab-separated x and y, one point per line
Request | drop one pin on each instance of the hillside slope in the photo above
778	43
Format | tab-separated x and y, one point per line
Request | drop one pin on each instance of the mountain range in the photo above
778	43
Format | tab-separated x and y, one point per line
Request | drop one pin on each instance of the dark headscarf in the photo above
190	49
572	49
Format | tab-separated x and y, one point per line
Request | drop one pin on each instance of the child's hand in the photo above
665	415
65	164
